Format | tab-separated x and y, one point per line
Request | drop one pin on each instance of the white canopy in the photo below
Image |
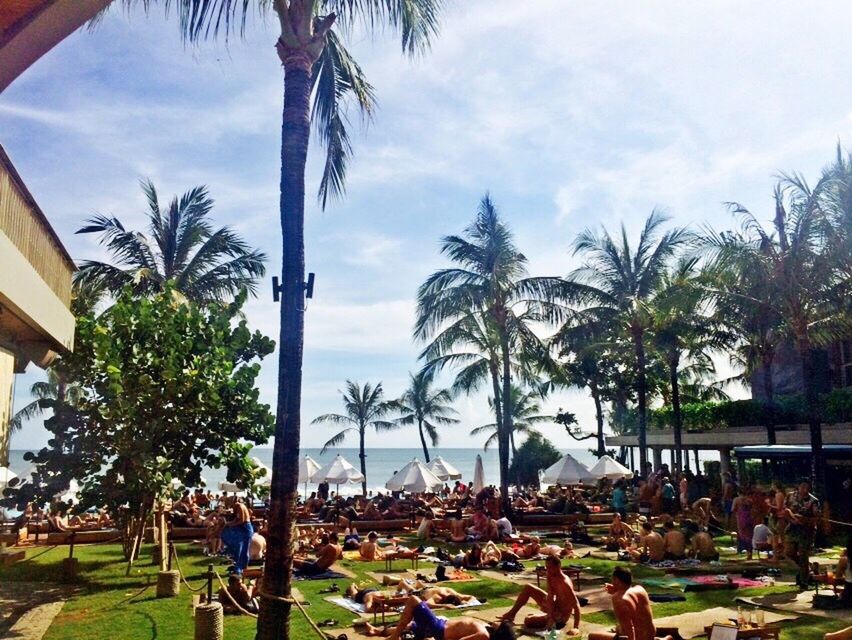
567	471
337	472
607	467
443	469
307	468
478	476
414	477
6	474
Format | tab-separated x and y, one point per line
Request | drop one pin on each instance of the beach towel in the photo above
327	575
742	583
667	583
355	607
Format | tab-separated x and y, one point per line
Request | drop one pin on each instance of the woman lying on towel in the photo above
372	598
421	621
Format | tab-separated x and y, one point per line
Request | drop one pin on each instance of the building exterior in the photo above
36	323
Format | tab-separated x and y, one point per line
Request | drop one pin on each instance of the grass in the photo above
106	603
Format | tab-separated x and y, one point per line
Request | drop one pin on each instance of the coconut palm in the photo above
54	388
616	285
808	280
426	407
489	279
321	80
182	247
365	407
526	413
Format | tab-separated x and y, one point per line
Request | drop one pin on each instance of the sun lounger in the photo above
187	533
83	537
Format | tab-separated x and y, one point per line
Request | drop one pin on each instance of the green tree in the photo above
364	407
45	393
616	284
489	279
426	407
534	455
164	387
526	413
204	264
798	255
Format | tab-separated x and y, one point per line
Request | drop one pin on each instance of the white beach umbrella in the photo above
443	469
567	471
478	476
228	486
608	467
307	468
70	494
337	472
6	474
415	477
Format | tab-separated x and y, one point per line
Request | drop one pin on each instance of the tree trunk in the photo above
274	619
498	405
769	392
596	396
814	418
362	455
641	392
423	440
678	418
508	423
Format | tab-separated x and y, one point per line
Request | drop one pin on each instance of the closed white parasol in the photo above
443	469
478	476
415	477
567	471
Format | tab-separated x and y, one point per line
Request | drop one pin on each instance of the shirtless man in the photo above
369	549
651	547
558	604
632	610
703	547
701	507
326	556
433	596
457	528
418	618
675	542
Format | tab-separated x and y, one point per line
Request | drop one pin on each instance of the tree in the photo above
164	387
526	413
45	393
809	283
204	264
425	407
616	285
364	407
534	455
490	280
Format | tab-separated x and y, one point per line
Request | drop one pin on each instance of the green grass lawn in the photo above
107	604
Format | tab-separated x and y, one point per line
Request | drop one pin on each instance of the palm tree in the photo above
808	280
616	285
54	388
364	407
425	407
490	279
321	79
205	264
526	413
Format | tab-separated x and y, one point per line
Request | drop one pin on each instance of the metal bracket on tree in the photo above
278	288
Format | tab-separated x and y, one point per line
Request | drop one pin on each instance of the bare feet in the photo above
371	631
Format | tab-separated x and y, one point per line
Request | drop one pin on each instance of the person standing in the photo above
742	509
803	512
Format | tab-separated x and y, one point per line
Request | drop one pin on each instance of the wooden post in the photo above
164	534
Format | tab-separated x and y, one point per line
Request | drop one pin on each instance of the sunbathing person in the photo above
674	541
651	547
257	548
528	550
632	609
326	556
565	551
457	528
558	604
419	619
240	593
369	549
703	547
619	535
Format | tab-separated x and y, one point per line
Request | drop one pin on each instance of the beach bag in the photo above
511	566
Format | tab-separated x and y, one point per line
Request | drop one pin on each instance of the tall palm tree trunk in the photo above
596	396
508	422
814	419
423	440
678	418
769	393
274	619
362	454
641	392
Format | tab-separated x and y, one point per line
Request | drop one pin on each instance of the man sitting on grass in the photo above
420	620
327	555
651	546
632	609
703	547
558	604
675	542
369	549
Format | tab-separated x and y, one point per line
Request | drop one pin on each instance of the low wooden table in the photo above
391	556
766	632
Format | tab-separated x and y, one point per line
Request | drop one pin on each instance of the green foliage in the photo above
534	454
165	386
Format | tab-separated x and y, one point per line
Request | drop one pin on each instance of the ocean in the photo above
381	463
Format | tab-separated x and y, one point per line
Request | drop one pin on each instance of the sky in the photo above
571	114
